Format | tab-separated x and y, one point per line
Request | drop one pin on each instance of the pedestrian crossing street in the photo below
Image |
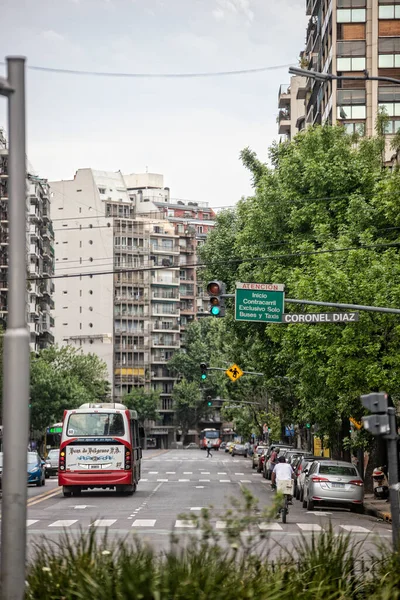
179	524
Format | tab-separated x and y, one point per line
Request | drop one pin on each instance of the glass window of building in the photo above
353	15
389	61
351	64
351	112
389	11
355	128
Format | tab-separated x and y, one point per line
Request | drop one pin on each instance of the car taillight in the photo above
128	459
358	482
317	479
62	461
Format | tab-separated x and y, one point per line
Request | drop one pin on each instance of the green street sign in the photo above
259	302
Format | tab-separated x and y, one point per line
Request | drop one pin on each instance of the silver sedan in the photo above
333	482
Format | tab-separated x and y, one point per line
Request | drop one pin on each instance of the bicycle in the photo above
285	487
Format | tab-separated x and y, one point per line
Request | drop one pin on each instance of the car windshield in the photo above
33	459
95	424
212	434
337	470
53	454
260	450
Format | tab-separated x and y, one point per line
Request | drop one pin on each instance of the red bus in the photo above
99	448
210	434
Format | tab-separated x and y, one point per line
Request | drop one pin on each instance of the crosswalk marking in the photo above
221	473
188	524
170	472
143	479
144	523
355	529
63	523
153	472
245	481
224	480
204	479
181	480
162	480
103	522
205	473
188	472
270	527
239	474
30	522
309	527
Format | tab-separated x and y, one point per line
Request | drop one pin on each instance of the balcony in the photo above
161	294
160	279
154	248
187	309
163	326
284	122
188	248
165	342
284	96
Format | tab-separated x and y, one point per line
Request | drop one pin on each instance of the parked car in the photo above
222	446
333	482
301	472
51	466
239	450
228	446
36	469
192	446
256	456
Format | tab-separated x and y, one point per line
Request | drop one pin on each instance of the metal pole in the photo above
393	477
16	353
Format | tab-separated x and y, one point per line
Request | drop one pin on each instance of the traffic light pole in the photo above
16	349
393	477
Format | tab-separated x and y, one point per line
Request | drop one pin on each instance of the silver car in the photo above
51	465
333	482
239	449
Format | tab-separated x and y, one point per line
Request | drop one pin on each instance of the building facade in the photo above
347	37
40	254
131	285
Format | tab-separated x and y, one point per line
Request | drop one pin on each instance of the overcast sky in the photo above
191	130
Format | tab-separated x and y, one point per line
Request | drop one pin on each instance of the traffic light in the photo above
215	289
308	425
203	369
377	424
209	401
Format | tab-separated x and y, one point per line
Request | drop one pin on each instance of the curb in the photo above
380	514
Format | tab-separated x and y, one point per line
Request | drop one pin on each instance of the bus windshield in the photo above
212	434
95	424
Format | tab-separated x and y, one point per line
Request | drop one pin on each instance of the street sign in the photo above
234	372
340	317
259	302
356	423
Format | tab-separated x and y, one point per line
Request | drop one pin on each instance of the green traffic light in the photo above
204	376
215	310
209	403
308	425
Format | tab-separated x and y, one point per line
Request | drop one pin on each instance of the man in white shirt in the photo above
282	472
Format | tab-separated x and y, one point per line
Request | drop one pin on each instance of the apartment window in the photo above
351	112
392	109
388	61
346	97
65	292
351	64
65	324
117	241
391	11
355	128
80	244
389	93
392	126
353	15
199	229
102	190
351	3
90	241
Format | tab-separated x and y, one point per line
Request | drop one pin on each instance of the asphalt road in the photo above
179	482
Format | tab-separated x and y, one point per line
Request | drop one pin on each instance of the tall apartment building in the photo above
125	301
291	98
40	254
345	37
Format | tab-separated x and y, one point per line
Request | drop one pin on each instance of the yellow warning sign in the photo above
356	423
234	372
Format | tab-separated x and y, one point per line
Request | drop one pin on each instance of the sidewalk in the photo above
377	508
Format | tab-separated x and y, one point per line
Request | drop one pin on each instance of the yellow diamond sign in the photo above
234	372
356	423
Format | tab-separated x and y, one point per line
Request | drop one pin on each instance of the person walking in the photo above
209	446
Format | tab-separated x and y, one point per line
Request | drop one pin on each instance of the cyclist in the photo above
282	471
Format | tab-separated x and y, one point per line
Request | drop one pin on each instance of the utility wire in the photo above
224	262
153	75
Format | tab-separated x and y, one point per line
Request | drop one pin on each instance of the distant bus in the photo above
100	448
52	437
210	434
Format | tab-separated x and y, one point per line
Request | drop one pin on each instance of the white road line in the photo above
63	523
182	480
170	473
162	480
355	529
204	479
196	508
270	527
309	527
187	524
245	481
144	523
220	525
199	487
221	473
239	474
318	513
205	473
224	480
188	472
103	522
143	479
30	522
153	473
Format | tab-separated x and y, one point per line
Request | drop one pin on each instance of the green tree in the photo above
146	404
189	405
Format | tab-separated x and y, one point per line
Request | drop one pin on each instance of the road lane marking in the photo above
225	481
43	494
196	508
63	523
182	480
187	524
355	529
43	498
221	473
144	523
188	472
239	474
270	527
245	481
309	527
162	480
205	480
153	473
103	522
143	479
170	473
205	473
30	522
199	487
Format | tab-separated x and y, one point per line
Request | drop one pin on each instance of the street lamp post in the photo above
16	348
